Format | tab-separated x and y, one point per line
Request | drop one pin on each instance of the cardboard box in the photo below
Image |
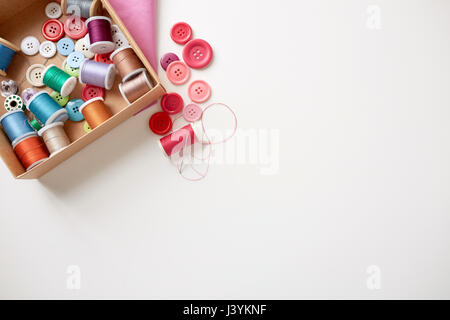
19	19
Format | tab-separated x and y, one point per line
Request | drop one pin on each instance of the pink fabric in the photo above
139	16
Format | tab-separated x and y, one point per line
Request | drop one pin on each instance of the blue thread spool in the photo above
45	109
7	51
16	126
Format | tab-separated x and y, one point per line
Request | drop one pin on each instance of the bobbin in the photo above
173	142
110	74
29	149
8	47
130	99
57	113
95	8
120	56
54	137
67	87
102	46
16	126
94	112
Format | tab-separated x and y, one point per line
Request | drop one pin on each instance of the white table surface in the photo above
337	185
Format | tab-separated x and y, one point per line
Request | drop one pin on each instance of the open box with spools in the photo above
20	19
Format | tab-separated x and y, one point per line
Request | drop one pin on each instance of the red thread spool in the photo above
179	140
31	151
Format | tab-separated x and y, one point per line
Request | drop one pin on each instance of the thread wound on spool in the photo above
95	112
77	7
97	74
31	151
55	138
100	34
7	52
16	126
59	80
135	88
45	109
178	140
127	63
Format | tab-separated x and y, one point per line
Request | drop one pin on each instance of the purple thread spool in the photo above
97	74
100	35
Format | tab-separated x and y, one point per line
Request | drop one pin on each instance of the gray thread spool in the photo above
79	8
55	138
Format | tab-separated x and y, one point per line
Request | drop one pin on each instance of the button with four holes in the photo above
103	58
120	40
178	72
65	46
47	49
167	59
35	74
75	28
160	123
82	46
75	59
181	33
172	103
30	46
73	110
62	101
53	10
90	92
53	30
74	72
192	112
199	91
197	54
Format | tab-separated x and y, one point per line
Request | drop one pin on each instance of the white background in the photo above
363	179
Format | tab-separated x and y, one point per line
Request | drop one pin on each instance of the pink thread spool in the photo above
179	140
100	35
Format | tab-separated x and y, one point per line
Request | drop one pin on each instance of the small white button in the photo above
47	49
35	75
82	46
30	45
53	10
120	41
115	29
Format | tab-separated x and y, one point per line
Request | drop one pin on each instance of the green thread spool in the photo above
59	81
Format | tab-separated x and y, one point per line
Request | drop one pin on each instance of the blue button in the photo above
73	109
75	59
65	46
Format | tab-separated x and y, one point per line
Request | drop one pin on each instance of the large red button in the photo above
172	103
103	58
90	92
197	54
160	123
181	33
75	28
53	30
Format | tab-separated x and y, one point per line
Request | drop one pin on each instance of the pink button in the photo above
178	72
75	28
192	113
90	92
181	33
197	54
199	91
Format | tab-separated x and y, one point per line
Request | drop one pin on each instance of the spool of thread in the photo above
135	88
179	140
7	52
95	112
46	109
27	94
16	126
81	8
97	74
55	138
100	35
31	151
127	63
59	80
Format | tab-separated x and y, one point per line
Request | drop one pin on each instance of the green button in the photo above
62	101
74	72
87	128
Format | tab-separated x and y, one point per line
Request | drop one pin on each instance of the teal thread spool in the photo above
46	109
59	81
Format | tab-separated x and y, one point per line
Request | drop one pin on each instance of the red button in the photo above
103	58
160	123
89	92
53	30
172	103
181	33
75	28
197	54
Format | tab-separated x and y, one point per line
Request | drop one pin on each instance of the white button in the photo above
30	45
115	29
53	10
47	49
120	41
83	47
35	75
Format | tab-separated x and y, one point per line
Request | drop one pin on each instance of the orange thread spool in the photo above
135	88
127	63
31	151
95	112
